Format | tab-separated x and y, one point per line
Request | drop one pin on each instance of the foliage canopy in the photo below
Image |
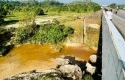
113	5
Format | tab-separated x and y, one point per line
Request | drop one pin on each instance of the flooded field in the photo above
39	57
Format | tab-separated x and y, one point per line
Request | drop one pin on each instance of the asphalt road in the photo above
119	22
121	13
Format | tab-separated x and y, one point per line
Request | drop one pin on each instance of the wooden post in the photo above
84	30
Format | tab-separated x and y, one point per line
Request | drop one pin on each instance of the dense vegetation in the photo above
117	6
113	5
27	10
3	14
51	5
48	33
77	6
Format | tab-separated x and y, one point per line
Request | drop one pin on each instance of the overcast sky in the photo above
101	2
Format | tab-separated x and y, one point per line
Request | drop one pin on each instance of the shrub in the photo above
68	30
3	13
21	35
39	11
87	77
53	34
48	33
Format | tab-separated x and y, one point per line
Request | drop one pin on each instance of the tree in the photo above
95	6
113	5
26	16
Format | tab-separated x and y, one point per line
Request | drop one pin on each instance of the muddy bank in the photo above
39	57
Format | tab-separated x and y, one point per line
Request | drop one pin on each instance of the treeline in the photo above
53	5
46	7
116	6
76	6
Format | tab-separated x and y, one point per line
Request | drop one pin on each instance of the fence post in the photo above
84	30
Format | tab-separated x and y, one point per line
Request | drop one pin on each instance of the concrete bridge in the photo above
113	47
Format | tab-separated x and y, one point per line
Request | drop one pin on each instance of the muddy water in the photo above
30	57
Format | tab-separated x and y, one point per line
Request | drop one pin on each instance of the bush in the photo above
21	35
87	77
39	11
2	50
3	13
53	34
24	33
5	49
48	33
68	30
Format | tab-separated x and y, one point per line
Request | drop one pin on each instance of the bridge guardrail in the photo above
113	51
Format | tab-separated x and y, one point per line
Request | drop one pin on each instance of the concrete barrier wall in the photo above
112	58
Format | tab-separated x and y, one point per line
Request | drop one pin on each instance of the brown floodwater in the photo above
37	57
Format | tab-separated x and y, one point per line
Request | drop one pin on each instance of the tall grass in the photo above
92	37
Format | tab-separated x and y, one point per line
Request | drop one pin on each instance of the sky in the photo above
101	2
107	2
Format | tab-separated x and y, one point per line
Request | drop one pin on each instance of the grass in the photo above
77	25
74	20
8	20
10	17
71	19
93	33
92	38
